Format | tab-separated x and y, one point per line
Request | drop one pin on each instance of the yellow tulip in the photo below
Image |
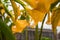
14	29
59	23
41	5
55	19
49	18
33	3
40	8
15	8
19	26
2	11
36	15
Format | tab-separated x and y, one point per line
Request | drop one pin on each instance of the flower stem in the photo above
26	34
36	33
20	2
40	35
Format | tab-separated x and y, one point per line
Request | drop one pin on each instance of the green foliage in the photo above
6	32
36	33
45	38
27	17
54	4
6	20
7	11
20	2
22	17
5	0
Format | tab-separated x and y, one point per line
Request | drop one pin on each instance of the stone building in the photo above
58	36
31	33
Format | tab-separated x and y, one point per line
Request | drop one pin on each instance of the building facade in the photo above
31	34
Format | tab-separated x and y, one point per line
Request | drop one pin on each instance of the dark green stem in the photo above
7	11
36	33
26	34
20	2
23	5
0	35
55	36
40	35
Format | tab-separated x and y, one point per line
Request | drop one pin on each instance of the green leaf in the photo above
54	4
6	31
7	20
22	17
20	2
27	17
0	35
46	38
5	0
7	11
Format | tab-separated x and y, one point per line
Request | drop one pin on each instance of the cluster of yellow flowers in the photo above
40	8
19	24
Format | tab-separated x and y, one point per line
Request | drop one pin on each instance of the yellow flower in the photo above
36	15
59	23
33	3
55	19
19	26
2	11
49	18
40	8
15	8
41	5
